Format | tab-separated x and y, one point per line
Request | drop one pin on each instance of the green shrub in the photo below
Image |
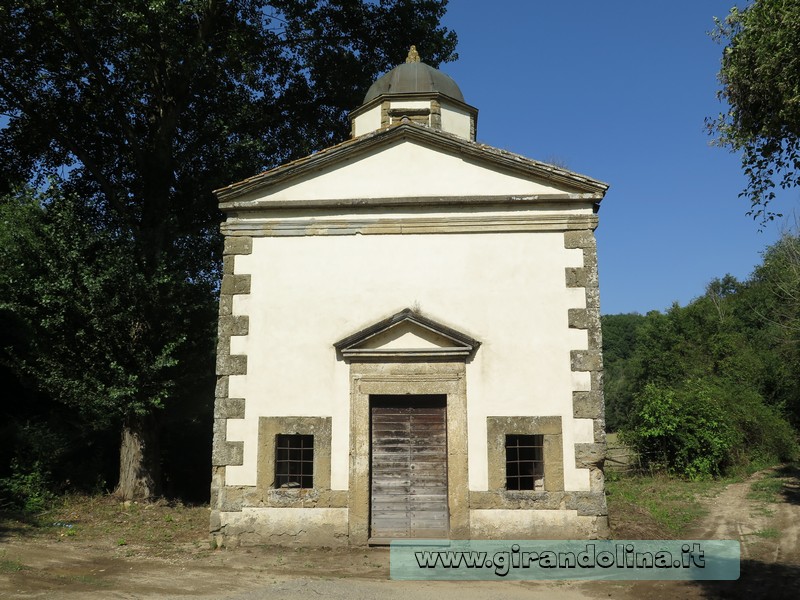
767	435
703	427
684	431
26	490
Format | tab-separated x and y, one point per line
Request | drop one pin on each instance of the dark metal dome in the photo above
414	76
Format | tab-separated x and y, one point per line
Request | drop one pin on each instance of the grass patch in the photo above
8	565
762	511
656	506
769	533
161	528
768	489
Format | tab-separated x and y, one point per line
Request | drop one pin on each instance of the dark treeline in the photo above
713	385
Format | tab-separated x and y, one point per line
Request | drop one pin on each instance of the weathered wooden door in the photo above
409	467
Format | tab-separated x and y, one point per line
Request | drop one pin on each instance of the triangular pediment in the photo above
407	161
407	335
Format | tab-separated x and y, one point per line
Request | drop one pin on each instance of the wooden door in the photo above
409	467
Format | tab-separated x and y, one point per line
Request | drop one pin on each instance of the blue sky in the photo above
619	90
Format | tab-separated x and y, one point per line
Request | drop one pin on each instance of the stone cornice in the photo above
406	225
239	206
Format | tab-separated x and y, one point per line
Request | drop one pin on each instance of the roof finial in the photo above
413	56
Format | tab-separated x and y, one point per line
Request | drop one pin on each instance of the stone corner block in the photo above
591	455
223	452
229	408
576	277
225	305
222	387
597	480
238	245
586	360
602	528
578	318
231	364
215	522
588	504
228	454
235	284
234	325
587	405
578	238
600	430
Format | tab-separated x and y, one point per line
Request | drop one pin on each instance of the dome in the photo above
414	76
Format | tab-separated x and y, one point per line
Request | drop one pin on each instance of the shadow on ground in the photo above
757	581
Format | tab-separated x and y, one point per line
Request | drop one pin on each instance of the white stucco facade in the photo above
292	367
409	260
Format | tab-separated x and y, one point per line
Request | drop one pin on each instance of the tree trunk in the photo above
139	467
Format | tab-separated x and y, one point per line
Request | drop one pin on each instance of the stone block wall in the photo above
589	404
225	453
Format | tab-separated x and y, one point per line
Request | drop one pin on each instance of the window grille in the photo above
294	461
525	462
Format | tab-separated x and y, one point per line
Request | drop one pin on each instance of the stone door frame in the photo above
417	378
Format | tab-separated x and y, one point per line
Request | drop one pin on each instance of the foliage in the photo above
713	385
619	342
73	295
778	279
37	430
150	106
75	291
683	430
761	84
702	428
28	491
131	113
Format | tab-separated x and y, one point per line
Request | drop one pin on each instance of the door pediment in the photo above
406	336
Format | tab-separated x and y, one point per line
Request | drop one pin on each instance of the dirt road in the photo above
769	530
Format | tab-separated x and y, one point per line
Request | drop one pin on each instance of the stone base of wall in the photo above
322	527
328	527
536	525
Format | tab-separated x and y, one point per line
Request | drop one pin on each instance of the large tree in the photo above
138	109
760	79
80	322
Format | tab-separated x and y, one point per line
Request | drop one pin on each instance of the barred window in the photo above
294	461
525	462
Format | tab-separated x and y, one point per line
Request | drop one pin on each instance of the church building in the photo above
409	337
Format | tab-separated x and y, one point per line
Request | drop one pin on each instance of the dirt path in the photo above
241	575
769	532
768	527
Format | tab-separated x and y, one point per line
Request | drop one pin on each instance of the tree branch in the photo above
89	57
